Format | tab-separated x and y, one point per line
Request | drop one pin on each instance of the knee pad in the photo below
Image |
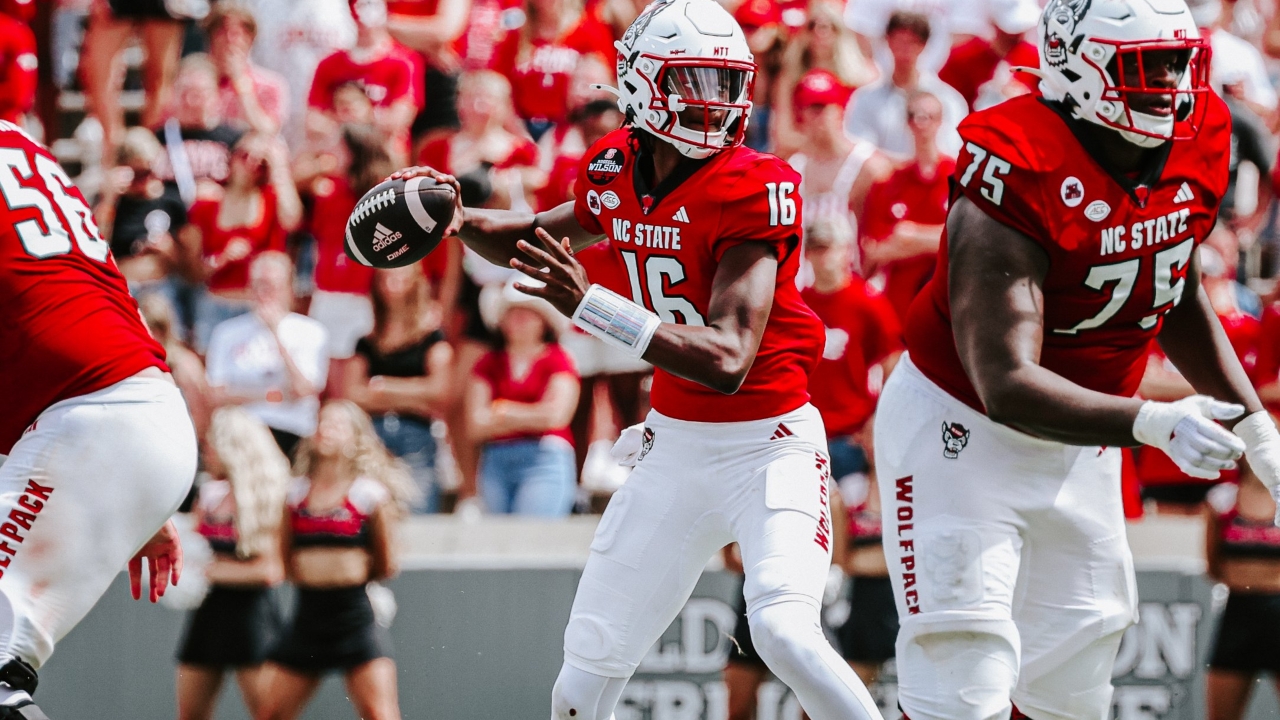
958	673
783	632
580	695
1077	687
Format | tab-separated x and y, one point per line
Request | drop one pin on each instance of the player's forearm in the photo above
493	234
714	357
1196	344
1040	402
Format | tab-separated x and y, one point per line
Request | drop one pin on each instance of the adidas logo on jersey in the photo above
681	215
1184	194
781	432
383	237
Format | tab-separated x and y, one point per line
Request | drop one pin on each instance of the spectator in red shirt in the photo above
519	403
251	97
483	144
223	236
863	342
975	63
17	69
390	74
904	214
340	300
540	56
566	138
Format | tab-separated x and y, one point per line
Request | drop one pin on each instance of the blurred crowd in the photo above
225	189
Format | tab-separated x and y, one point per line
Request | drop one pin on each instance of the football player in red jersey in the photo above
708	232
1069	248
100	447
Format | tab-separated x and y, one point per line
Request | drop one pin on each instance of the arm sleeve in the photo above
764	205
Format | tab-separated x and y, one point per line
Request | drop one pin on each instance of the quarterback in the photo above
708	232
1070	247
100	447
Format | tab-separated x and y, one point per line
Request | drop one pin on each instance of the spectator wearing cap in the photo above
836	171
520	401
823	43
17	69
981	69
251	97
903	222
389	73
878	111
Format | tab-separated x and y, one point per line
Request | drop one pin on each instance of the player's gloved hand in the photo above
626	450
1262	449
1185	430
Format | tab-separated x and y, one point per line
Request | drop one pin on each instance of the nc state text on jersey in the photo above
663	237
1145	232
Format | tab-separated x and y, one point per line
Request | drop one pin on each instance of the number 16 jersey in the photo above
670	241
1118	247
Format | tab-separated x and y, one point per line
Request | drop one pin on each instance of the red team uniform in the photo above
974	509
100	446
671	245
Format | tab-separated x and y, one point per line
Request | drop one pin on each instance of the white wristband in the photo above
616	320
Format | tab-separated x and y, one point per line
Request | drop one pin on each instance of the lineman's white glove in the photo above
1262	448
626	450
1185	430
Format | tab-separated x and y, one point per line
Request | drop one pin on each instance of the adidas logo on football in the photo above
781	432
681	215
384	236
1184	194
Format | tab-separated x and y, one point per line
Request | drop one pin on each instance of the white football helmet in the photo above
687	55
1084	42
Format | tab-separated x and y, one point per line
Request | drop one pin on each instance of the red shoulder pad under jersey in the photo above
761	203
1010	151
608	158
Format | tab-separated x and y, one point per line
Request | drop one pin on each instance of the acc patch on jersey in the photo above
605	166
611	199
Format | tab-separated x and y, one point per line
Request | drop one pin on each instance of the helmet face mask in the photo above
1137	67
686	76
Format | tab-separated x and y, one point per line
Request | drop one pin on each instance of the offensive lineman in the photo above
708	232
1070	246
100	447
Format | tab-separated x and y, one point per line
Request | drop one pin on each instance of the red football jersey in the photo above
70	327
1117	258
862	329
670	246
335	272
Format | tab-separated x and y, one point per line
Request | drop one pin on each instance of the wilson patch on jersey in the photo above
605	166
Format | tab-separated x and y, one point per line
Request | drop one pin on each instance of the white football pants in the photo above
697	488
87	485
1008	557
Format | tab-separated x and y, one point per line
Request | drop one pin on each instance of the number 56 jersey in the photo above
70	327
670	240
1118	248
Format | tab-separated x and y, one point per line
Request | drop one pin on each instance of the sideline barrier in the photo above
482	610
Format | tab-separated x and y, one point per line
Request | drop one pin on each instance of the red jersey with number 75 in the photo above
1118	247
70	326
670	240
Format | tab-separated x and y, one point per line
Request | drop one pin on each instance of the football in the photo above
398	222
